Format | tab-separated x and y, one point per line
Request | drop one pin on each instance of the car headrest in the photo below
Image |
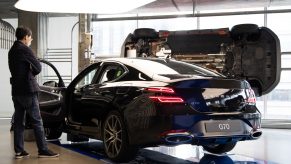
111	75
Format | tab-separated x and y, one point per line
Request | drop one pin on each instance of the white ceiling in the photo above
7	9
202	5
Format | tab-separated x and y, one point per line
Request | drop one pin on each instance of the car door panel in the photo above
75	92
50	95
96	101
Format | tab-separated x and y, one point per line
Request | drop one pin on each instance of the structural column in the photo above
38	23
84	42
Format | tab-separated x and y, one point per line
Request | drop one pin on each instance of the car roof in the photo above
153	67
145	65
130	60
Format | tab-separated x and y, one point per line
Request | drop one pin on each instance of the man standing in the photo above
24	66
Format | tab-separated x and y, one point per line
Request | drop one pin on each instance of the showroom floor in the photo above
272	148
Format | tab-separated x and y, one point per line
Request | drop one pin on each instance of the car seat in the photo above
111	75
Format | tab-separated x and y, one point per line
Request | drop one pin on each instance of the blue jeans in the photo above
28	104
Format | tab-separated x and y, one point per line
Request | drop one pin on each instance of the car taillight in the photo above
164	95
173	132
160	89
167	99
251	98
164	34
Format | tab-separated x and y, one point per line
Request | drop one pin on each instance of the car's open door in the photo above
50	95
245	51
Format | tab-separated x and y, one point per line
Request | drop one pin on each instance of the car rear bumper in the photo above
194	129
212	132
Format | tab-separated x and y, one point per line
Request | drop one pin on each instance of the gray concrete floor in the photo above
273	147
7	153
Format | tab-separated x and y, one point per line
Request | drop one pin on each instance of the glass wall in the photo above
281	25
278	102
109	36
169	24
230	21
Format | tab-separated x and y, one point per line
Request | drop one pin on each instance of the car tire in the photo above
219	148
52	133
115	139
145	33
249	31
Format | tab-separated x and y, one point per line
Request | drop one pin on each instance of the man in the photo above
24	66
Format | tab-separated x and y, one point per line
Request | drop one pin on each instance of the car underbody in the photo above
235	53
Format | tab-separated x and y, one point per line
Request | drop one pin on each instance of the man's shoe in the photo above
47	154
21	155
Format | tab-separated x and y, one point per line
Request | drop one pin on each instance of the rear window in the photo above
183	68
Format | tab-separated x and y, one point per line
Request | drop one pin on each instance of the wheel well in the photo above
145	33
256	86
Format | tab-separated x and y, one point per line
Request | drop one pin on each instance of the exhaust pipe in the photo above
178	138
256	134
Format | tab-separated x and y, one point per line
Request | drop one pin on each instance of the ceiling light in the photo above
80	6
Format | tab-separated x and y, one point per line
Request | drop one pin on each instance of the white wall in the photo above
6	104
59	31
59	36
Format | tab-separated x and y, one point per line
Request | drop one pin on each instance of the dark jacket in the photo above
23	66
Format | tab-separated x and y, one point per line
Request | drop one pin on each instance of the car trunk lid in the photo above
215	94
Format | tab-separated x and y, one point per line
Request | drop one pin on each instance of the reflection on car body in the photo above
130	103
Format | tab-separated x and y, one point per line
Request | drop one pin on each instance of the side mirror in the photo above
50	84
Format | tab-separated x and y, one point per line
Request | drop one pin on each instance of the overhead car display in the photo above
245	51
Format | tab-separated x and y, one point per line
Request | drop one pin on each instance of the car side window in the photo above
47	76
111	73
87	79
135	75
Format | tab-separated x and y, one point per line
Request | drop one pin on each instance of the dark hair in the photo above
22	31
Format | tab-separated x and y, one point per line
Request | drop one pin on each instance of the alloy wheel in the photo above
113	135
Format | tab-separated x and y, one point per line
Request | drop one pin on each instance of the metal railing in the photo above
61	58
6	35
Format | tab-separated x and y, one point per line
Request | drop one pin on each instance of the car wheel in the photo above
219	148
115	139
249	31
145	33
52	133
